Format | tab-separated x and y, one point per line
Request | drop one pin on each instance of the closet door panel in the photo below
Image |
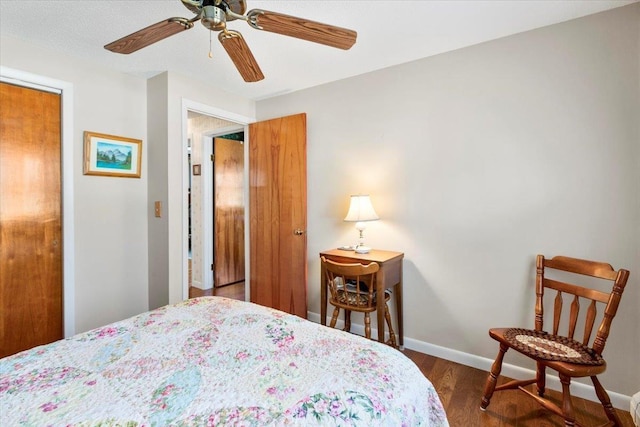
30	218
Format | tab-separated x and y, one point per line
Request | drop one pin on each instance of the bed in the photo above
215	361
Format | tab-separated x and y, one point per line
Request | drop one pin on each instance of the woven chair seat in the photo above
353	298
545	346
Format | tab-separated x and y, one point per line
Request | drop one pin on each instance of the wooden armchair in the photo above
563	354
352	288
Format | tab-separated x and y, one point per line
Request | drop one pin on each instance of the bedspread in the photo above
215	361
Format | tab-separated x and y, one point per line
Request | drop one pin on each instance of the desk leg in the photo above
323	297
380	303
398	295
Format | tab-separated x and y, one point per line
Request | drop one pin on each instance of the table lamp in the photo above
360	211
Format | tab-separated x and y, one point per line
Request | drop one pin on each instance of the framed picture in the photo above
110	155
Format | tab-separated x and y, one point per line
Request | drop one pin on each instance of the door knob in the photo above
298	232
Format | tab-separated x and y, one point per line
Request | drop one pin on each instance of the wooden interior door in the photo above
278	213
228	212
30	218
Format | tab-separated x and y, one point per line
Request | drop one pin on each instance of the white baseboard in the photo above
581	390
199	285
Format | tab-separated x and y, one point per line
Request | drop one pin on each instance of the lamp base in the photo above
362	249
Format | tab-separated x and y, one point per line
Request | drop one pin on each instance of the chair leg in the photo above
541	379
347	320
334	318
606	403
492	379
567	405
367	325
392	334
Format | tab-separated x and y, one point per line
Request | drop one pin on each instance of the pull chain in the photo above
210	53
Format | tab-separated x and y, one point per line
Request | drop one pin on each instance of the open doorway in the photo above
215	198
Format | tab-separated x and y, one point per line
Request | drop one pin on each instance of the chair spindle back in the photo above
611	300
351	284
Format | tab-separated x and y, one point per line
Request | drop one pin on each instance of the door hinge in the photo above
211	267
212	157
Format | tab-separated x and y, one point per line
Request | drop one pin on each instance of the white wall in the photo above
477	160
157	125
110	213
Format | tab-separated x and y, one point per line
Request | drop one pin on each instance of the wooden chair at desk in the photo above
352	288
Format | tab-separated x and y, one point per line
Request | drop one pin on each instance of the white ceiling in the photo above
390	32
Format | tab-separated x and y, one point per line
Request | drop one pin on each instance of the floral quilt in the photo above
215	361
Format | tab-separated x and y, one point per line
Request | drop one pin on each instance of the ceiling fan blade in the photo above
316	32
241	55
149	35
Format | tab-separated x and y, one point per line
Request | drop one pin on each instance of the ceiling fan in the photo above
214	15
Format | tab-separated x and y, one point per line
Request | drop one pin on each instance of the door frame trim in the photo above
242	121
35	81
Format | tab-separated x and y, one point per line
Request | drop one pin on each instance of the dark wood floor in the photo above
234	291
460	388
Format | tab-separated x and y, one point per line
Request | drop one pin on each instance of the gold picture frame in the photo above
111	155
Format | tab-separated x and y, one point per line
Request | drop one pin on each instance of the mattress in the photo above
216	361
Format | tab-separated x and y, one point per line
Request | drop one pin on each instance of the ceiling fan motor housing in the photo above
214	18
214	12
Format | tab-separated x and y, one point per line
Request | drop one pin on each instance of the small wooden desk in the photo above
389	276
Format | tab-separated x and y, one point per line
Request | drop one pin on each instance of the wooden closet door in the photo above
30	218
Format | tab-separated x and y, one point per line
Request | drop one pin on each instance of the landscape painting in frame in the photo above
111	155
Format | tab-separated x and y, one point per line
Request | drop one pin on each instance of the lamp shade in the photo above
361	209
